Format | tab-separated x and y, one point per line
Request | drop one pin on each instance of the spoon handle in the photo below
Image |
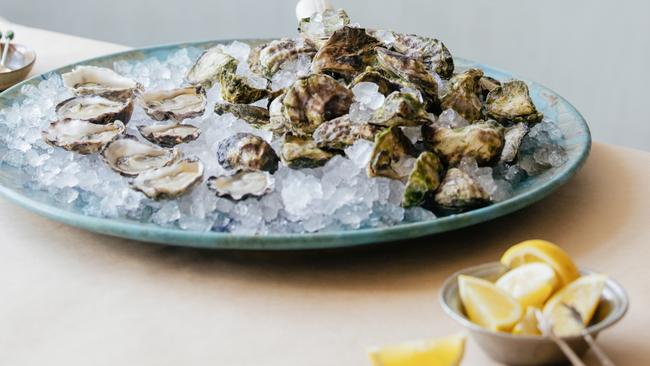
5	49
598	351
566	349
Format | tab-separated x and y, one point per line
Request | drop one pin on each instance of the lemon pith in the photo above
531	284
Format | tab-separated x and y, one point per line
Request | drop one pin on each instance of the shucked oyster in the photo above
130	157
176	104
433	53
169	181
95	109
255	116
82	137
347	53
372	75
268	59
400	109
313	100
301	152
340	133
463	94
245	151
92	80
242	184
392	155
169	134
511	103
482	141
423	181
459	192
210	66
317	29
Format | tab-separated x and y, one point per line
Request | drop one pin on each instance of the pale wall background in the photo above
595	53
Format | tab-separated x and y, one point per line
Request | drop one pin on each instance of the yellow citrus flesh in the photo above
531	284
542	251
528	324
488	305
583	295
446	351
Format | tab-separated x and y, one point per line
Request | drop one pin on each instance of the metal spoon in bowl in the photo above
598	351
5	49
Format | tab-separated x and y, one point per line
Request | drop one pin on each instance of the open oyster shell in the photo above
482	141
318	28
257	117
210	66
82	137
95	109
267	59
169	134
301	152
511	103
169	181
346	53
512	141
175	104
245	151
392	155
431	51
339	133
93	80
400	109
463	94
423	181
459	192
131	157
242	184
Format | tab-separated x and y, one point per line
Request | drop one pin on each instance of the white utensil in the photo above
5	49
307	8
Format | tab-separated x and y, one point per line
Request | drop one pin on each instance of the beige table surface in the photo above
69	297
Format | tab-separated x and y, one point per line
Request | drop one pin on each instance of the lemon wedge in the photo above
488	305
446	351
542	251
531	284
572	308
528	324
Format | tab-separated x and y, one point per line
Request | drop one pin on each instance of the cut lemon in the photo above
528	324
542	251
446	351
572	308
488	305
531	284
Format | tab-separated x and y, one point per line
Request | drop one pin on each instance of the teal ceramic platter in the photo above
577	142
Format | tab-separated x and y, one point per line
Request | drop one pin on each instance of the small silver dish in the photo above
20	59
529	350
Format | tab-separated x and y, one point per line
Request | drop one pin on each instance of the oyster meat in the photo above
242	184
210	66
371	75
459	192
347	53
176	104
301	152
82	137
392	155
313	100
92	80
340	133
511	103
431	51
400	109
245	151
463	95
512	140
269	58
318	28
482	141
95	109
423	181
131	157
169	134
257	117
169	181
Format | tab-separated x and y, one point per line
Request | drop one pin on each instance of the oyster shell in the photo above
431	51
268	59
169	134
242	184
482	141
245	151
423	181
131	157
400	109
392	155
372	75
512	140
318	28
95	109
463	94
511	103
346	53
313	100
301	152
169	181
238	89
257	117
340	133
82	137
459	192
486	84
278	122
93	80
210	67
175	104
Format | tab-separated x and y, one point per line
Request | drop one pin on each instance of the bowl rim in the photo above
614	317
28	52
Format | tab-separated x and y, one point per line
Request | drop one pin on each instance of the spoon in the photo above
598	351
546	326
5	49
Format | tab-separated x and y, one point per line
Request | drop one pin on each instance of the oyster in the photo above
512	140
255	116
269	58
242	184
371	75
169	181
459	192
301	152
392	155
511	103
463	94
486	84
82	136
131	157
400	109
318	28
431	51
93	80
340	133
176	104
245	151
239	89
347	53
482	141
313	100
423	181
95	109
210	67
278	122
169	134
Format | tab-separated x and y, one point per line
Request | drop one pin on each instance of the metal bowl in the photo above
20	59
529	350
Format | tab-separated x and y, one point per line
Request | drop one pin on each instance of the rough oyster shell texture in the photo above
347	53
463	94
511	103
175	104
423	181
482	141
392	155
431	51
299	152
268	58
255	116
400	109
245	151
459	192
82	137
339	133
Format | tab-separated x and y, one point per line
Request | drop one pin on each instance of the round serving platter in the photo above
577	143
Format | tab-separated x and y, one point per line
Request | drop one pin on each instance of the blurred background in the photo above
595	53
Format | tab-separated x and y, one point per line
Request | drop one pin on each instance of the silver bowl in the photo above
20	59
529	350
